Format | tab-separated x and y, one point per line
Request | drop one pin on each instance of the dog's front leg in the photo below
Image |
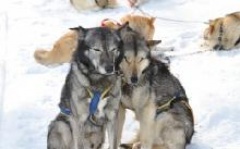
146	119
75	132
121	120
81	137
112	130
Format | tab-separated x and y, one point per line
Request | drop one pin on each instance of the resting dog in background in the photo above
223	33
81	5
64	47
155	95
91	94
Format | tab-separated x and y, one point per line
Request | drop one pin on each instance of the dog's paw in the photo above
136	145
125	146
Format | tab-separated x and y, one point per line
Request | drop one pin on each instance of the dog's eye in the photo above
96	50
114	49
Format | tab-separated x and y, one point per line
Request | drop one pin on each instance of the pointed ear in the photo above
153	19
81	31
125	26
153	43
211	29
210	21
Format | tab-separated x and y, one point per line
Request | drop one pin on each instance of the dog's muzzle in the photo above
134	79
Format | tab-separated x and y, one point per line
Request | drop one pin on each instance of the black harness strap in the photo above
237	42
220	33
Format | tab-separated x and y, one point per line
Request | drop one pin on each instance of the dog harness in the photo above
64	110
96	96
219	38
168	105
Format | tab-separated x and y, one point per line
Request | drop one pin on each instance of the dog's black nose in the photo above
218	47
134	79
109	68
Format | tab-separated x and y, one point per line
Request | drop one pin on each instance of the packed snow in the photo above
29	92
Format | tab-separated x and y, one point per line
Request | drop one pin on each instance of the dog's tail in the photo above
50	58
43	57
60	53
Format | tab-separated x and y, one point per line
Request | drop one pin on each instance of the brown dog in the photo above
64	47
223	33
61	52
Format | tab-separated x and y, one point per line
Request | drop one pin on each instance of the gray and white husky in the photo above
91	94
155	95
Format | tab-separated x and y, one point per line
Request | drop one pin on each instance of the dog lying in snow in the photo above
64	47
82	5
223	33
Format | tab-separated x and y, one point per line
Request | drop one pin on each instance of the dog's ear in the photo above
211	29
152	43
152	19
81	31
125	27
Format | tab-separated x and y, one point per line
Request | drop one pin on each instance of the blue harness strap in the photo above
94	102
65	110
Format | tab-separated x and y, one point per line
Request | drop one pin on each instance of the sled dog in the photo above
64	47
91	94
223	33
155	95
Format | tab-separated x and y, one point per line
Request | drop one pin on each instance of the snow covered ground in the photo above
31	91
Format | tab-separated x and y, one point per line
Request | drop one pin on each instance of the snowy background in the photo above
31	91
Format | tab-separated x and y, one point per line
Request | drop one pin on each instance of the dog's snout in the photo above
134	79
109	68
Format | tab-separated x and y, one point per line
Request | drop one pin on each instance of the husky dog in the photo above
155	95
143	25
223	33
64	47
91	94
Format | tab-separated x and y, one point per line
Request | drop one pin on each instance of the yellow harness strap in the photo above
103	94
166	105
